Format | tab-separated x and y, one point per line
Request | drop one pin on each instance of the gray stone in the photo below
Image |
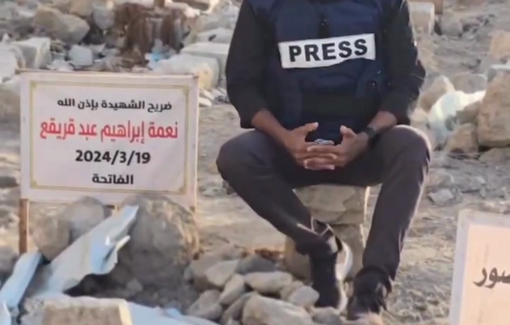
442	196
36	52
8	181
207	306
164	239
234	289
266	311
451	25
326	316
304	297
103	16
67	28
268	283
81	56
236	309
289	289
255	263
83	215
219	274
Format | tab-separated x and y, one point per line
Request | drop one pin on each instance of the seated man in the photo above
328	86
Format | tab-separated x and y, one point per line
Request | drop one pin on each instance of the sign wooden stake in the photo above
24	205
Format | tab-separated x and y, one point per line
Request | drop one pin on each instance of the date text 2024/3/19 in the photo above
114	157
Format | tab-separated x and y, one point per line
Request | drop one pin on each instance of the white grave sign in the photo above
108	136
481	278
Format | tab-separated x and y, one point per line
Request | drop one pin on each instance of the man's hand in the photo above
294	142
352	145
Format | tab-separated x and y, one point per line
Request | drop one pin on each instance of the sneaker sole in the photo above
341	274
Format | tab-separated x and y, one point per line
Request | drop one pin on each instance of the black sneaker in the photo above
367	301
325	282
323	269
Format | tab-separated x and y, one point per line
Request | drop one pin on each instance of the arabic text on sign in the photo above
127	179
131	131
493	277
133	104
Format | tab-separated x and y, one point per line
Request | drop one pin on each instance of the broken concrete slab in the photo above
207	69
36	51
217	51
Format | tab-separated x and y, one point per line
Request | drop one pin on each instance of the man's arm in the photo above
406	73
244	72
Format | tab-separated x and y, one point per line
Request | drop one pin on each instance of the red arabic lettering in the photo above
130	131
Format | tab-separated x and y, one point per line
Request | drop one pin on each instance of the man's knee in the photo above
239	153
410	142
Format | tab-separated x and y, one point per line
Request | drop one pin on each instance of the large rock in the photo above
463	140
500	45
494	115
207	69
164	240
83	311
266	311
51	235
67	28
83	215
344	209
422	16
437	89
217	51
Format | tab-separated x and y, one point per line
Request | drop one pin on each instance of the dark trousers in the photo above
264	175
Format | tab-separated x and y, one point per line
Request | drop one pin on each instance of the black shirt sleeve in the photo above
406	73
245	63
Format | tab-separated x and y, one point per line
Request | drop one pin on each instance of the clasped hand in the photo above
325	156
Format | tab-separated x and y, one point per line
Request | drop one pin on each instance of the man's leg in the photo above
400	159
264	175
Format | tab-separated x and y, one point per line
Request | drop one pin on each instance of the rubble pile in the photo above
106	36
467	115
253	289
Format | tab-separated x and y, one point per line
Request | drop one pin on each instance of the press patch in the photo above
325	52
